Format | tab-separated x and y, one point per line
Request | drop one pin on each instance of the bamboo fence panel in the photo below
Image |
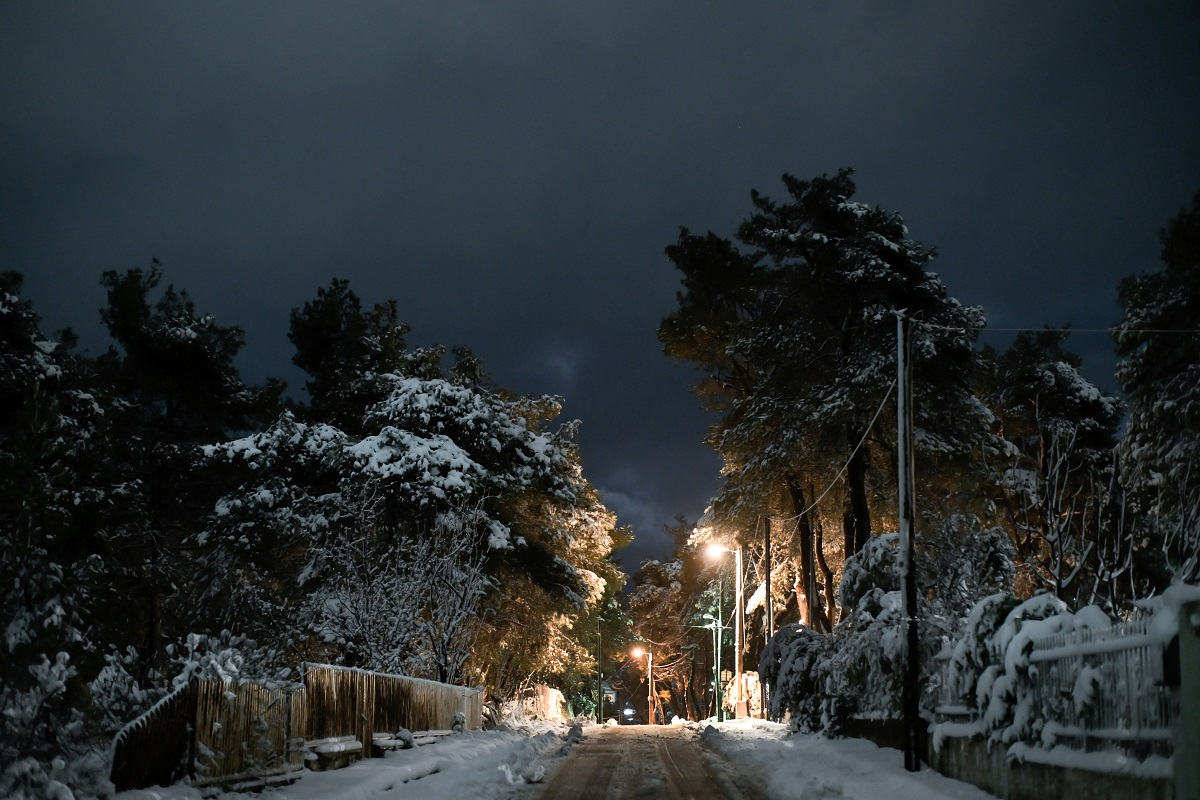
389	702
341	702
224	731
243	730
157	747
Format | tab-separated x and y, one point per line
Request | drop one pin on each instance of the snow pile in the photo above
813	767
472	764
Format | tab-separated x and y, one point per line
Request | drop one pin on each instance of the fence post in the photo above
1187	750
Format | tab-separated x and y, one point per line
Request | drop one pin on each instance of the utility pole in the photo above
650	682
720	643
910	695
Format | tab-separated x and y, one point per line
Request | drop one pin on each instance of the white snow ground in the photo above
811	767
803	767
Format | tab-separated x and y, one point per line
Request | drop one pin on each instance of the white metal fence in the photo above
1105	690
1102	690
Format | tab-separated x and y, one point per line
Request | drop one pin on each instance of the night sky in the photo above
511	172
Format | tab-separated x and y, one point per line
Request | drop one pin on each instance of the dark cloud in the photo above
510	173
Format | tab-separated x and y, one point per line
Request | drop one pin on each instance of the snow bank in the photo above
813	767
474	764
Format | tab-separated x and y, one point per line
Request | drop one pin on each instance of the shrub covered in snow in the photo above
1021	701
793	663
823	680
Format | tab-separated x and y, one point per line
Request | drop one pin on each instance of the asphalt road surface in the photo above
642	761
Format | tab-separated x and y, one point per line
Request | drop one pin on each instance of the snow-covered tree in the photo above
401	601
823	680
795	329
53	577
1158	342
325	516
345	351
175	387
1054	480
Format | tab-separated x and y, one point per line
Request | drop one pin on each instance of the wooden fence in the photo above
345	702
219	732
157	747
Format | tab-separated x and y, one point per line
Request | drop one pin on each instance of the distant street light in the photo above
715	551
652	700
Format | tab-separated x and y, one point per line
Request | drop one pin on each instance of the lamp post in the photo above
714	624
652	699
599	673
716	551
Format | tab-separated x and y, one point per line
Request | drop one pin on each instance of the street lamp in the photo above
599	672
714	624
651	700
715	551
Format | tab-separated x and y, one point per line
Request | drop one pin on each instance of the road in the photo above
634	761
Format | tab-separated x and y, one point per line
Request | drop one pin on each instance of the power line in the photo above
888	394
1047	328
846	466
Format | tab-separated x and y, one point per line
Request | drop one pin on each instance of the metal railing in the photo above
1105	690
1093	690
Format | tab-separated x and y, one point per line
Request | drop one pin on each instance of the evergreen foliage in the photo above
159	516
1158	341
1055	480
794	327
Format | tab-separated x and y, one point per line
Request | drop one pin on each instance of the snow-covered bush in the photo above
225	657
856	671
793	664
991	670
117	696
872	570
44	750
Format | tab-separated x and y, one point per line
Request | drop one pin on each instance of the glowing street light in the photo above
638	652
715	551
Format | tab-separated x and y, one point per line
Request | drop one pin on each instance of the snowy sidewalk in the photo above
811	767
471	765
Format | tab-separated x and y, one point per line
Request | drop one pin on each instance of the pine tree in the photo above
1159	346
364	479
346	351
176	388
796	331
54	576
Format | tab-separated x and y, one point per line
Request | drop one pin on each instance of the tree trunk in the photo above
826	572
804	531
857	518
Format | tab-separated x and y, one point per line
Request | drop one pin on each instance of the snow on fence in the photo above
1096	689
1105	689
157	747
345	701
224	732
